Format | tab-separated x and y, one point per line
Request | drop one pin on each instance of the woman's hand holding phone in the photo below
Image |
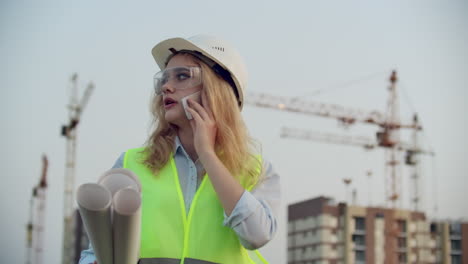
196	97
203	125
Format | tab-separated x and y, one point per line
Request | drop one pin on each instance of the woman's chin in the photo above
176	119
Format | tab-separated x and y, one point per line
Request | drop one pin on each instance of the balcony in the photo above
359	242
359	232
358	247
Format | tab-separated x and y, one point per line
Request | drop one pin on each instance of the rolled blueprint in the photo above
117	179
94	203
126	226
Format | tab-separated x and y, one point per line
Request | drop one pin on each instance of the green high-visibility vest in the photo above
169	235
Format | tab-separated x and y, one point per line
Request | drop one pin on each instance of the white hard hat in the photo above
217	53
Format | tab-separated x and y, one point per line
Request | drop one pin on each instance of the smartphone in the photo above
196	97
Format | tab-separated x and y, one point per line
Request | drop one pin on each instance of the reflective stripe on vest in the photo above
169	234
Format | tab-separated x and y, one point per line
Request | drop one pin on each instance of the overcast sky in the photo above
345	50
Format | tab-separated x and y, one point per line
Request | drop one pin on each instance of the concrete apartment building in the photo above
320	231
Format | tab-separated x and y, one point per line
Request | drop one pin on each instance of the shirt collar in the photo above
178	145
179	149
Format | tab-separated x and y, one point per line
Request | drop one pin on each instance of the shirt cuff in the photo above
246	206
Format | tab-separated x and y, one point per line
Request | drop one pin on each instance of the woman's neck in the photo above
185	135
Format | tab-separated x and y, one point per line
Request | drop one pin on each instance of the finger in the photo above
192	124
196	116
199	109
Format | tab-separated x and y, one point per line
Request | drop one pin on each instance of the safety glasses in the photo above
178	78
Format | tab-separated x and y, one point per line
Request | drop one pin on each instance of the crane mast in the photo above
413	161
390	139
36	224
69	131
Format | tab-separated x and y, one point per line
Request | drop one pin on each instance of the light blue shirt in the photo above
253	218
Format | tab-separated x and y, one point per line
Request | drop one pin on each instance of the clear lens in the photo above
177	78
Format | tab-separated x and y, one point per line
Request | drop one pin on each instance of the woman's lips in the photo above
169	102
169	105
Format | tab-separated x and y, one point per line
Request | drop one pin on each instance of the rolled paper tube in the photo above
116	179
94	203
126	226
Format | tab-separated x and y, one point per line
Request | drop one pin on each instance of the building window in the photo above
401	226
456	259
360	223
455	245
359	240
360	256
455	229
401	243
402	257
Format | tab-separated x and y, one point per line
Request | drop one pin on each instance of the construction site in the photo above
359	107
319	230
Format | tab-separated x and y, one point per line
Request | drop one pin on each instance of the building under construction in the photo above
321	231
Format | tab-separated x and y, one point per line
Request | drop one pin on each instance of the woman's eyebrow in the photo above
181	69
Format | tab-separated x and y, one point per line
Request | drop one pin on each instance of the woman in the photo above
207	196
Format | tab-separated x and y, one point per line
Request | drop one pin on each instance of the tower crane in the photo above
35	227
69	131
411	150
387	136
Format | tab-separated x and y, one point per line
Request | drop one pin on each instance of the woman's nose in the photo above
168	87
